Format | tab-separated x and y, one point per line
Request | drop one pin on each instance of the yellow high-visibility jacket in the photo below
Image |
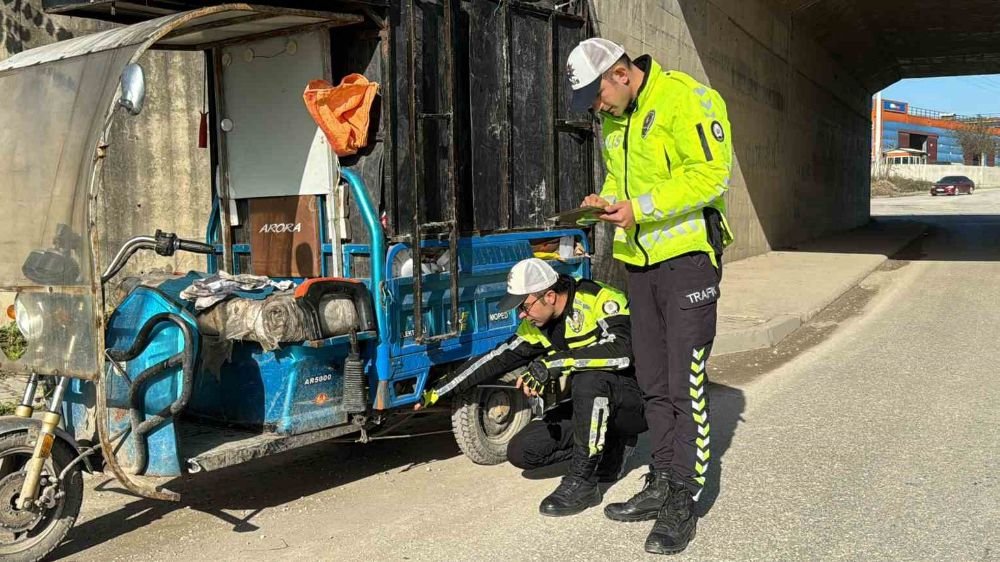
671	156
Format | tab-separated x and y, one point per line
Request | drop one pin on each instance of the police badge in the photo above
647	123
575	320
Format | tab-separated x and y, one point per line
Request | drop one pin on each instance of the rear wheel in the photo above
27	535
484	421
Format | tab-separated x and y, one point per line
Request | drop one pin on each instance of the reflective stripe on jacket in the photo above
594	333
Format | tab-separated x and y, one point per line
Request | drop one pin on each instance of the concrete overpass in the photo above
797	76
885	41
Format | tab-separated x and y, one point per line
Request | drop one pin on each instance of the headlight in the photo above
28	314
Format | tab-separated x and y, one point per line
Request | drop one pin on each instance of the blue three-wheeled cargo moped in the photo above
298	330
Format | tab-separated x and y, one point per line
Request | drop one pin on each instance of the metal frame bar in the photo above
390	116
554	70
92	9
507	197
542	10
417	167
216	25
269	34
450	86
221	171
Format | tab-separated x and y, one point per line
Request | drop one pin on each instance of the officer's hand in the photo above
594	200
524	387
428	399
619	214
533	380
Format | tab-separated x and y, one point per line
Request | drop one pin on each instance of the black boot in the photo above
645	505
675	525
615	459
578	489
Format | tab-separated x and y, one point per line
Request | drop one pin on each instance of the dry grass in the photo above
895	185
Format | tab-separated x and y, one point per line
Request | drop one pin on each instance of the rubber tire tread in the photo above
469	434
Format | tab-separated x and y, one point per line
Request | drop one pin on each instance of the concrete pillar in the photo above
801	125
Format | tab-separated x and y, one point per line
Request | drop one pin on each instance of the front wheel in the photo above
484	421
28	535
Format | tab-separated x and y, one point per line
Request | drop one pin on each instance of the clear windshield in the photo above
51	119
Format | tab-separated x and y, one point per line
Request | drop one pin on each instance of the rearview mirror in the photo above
133	88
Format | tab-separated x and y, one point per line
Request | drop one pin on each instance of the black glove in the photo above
536	376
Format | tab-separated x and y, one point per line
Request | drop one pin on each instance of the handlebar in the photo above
164	243
195	247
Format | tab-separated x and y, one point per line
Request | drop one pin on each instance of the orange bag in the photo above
342	112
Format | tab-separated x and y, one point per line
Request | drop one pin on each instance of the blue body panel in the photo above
298	388
483	266
161	391
293	389
79	399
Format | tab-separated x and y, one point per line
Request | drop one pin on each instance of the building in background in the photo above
905	156
906	134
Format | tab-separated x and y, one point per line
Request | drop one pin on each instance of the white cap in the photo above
525	278
584	67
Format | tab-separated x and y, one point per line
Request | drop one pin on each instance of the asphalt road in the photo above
881	442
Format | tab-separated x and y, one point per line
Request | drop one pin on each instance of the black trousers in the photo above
606	408
673	306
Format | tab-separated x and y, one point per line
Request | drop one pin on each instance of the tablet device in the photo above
587	214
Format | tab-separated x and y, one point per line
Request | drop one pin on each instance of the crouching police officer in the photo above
575	328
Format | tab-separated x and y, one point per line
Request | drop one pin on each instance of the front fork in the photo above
46	437
25	409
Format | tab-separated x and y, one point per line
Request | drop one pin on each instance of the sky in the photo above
964	95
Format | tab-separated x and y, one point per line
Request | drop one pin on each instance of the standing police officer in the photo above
575	328
668	154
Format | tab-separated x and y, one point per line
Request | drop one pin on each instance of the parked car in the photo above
953	185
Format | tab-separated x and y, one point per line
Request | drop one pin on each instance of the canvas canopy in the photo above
58	103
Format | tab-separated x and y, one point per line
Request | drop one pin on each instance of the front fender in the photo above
15	424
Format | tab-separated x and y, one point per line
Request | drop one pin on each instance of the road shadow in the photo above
259	485
727	404
270	482
950	237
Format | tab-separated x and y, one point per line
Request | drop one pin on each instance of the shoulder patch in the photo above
610	307
718	132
